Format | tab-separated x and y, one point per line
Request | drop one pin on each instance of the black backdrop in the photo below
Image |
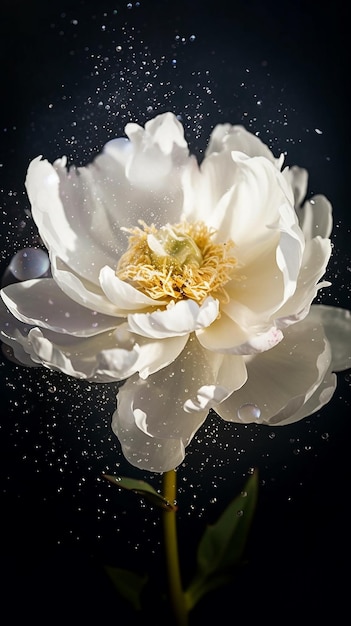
73	73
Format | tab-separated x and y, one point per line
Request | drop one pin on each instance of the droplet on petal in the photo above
29	263
249	413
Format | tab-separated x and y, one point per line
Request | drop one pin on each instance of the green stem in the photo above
177	596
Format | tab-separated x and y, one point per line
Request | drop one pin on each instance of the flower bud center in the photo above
169	244
176	262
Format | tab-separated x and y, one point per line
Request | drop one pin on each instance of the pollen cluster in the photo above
164	277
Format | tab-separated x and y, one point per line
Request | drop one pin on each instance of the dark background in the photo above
72	75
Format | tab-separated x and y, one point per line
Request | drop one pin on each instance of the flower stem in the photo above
177	596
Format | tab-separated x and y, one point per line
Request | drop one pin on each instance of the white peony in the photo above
193	282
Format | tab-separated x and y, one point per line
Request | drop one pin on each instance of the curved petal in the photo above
318	399
316	217
123	296
227	337
70	223
246	200
141	450
107	357
181	318
159	147
337	327
14	335
265	284
40	302
298	179
281	380
79	212
316	256
153	355
173	403
79	289
228	137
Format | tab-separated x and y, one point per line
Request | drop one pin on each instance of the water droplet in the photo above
29	263
249	413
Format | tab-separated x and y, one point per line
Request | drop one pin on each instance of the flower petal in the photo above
229	138
107	357
316	218
281	380
227	337
124	296
153	355
141	450
298	179
246	200
71	222
316	256
174	402
180	318
79	289
337	327
40	302
158	148
14	334
79	212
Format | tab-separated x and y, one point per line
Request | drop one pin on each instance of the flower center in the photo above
177	261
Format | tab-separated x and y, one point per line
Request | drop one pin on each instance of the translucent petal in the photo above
281	380
181	318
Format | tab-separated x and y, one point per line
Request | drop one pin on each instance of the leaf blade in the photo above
128	584
222	545
141	488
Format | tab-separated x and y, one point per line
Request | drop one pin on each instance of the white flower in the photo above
194	282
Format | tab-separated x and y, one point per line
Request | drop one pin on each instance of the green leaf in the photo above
128	584
222	545
141	488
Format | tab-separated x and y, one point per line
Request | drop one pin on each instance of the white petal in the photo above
79	212
164	131
316	218
281	380
83	357
227	337
80	290
316	256
155	354
123	296
318	399
14	334
159	410
246	200
159	149
40	302
69	221
174	402
298	179
228	137
337	327
262	287
141	450
180	318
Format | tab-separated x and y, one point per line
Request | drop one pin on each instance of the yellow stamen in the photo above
177	261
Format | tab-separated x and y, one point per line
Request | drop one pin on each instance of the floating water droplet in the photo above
29	263
249	413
